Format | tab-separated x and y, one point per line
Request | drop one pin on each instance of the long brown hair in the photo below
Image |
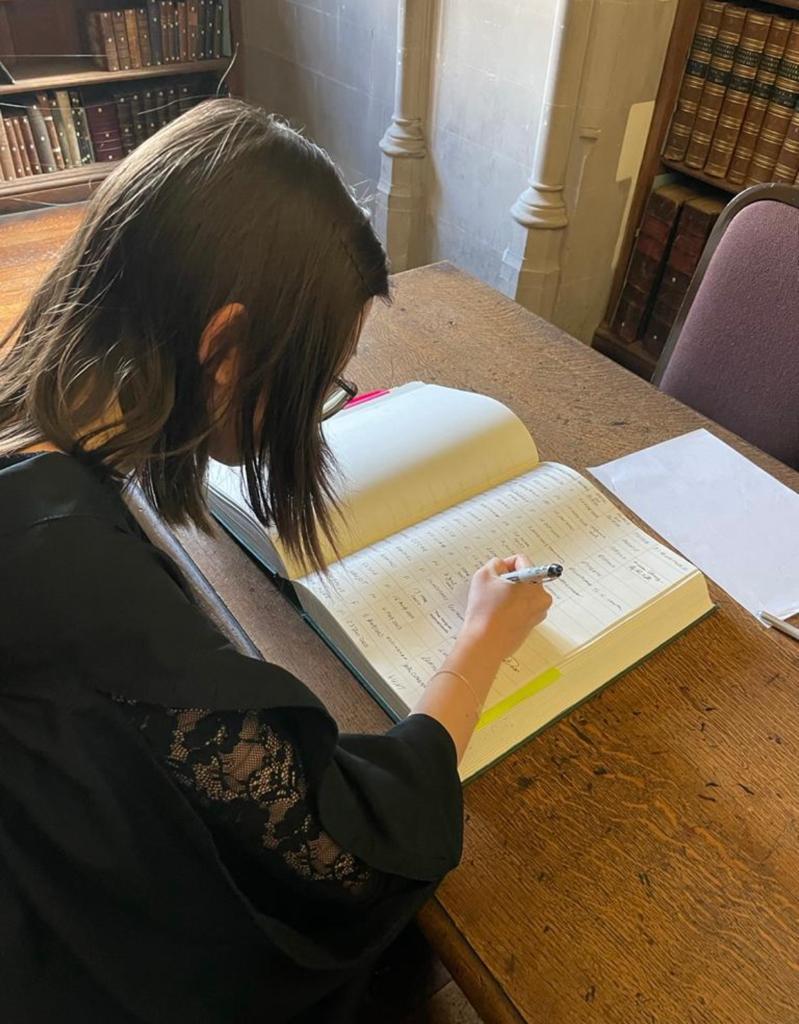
224	205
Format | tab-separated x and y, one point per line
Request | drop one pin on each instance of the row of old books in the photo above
159	33
675	227
54	131
737	114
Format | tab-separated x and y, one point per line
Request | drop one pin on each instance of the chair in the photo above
733	352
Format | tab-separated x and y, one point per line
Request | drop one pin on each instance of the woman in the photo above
183	834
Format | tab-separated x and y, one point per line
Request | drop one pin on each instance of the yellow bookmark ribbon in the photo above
552	675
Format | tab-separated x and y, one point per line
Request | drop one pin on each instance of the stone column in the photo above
531	264
399	209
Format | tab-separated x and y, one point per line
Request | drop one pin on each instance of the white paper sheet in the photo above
730	518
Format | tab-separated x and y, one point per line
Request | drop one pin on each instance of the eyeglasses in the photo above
342	392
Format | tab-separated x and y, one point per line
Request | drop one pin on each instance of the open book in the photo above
433	483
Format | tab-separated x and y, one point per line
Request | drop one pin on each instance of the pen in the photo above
535	574
780	624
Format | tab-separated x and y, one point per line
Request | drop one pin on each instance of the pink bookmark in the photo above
366	397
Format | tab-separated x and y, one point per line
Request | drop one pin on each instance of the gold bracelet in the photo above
464	680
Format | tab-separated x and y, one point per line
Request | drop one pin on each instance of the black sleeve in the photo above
106	606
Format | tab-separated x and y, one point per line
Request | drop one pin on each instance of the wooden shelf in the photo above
57	179
34	74
631	355
691	172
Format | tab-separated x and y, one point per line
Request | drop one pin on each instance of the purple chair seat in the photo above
733	354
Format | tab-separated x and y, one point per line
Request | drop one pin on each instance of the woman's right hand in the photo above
500	615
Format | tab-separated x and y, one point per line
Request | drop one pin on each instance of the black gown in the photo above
184	836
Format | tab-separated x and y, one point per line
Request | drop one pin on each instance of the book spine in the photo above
61	131
95	37
227	43
778	114
210	21
742	78
183	30
109	40
160	107
694	225
166	34
137	121
172	109
6	163
143	27
65	108
81	127
154	29
125	119
184	98
41	139
30	145
151	125
13	145
193	25
175	15
104	131
202	21
19	139
132	36
647	262
219	15
787	165
762	91
715	87
121	39
682	121
43	102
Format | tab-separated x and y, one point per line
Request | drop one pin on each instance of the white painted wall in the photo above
489	66
328	65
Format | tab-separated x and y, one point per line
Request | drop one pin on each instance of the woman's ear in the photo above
222	334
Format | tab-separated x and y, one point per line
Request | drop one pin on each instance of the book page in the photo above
402	600
406	456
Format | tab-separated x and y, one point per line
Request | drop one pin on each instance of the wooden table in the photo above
638	861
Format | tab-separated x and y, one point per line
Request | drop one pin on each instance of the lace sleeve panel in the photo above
243	775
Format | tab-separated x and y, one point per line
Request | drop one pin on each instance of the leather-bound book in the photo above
143	26
101	40
149	113
139	122
121	39
154	26
787	164
186	91
41	139
219	18
183	30
742	80
166	35
19	141
125	118
46	108
210	22
194	27
70	137
648	259
695	222
6	162
778	115
70	155
104	131
81	127
174	21
132	36
762	92
682	121
160	105
172	108
30	145
13	147
715	87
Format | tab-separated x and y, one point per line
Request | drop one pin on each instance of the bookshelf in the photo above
632	354
45	45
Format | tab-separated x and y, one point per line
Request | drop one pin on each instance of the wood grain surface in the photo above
639	860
